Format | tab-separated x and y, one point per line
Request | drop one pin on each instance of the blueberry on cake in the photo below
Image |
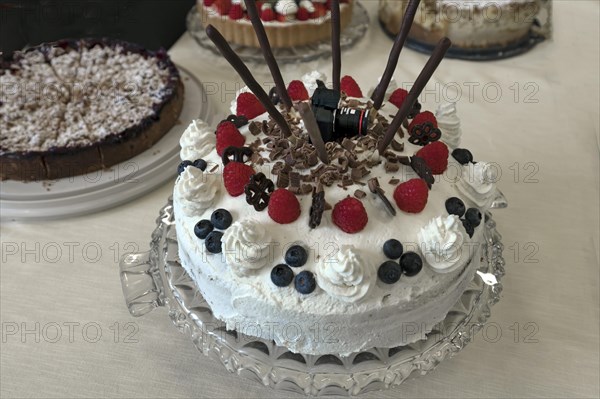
77	106
342	230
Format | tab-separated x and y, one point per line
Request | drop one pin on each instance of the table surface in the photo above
67	333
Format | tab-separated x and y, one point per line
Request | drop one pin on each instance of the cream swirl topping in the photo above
449	124
246	246
442	242
347	277
310	81
478	183
197	190
197	141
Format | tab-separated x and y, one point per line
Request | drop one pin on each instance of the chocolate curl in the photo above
241	68
263	40
390	68
310	124
434	61
336	52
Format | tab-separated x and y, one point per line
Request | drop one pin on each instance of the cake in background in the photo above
288	23
470	24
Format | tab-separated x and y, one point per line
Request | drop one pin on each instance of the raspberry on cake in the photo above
318	254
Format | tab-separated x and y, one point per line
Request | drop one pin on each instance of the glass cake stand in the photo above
351	35
156	278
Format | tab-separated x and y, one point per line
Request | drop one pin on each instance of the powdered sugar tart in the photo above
76	106
314	210
287	23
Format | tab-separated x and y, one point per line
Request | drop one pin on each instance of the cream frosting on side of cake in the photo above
351	309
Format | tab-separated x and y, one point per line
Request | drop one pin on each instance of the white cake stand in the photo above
156	278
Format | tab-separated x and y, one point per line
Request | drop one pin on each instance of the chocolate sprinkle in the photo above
316	207
420	167
238	121
236	62
428	70
283	179
375	189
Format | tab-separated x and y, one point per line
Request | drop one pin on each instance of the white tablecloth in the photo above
67	333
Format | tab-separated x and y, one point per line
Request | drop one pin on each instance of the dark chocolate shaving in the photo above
393	182
397	146
420	167
236	154
283	179
316	207
311	126
373	185
258	191
360	194
424	134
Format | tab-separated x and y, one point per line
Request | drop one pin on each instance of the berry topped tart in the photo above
288	23
320	209
76	106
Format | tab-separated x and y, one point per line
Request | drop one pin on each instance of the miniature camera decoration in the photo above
336	123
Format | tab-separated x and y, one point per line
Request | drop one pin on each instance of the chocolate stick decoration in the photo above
428	70
241	68
390	68
311	126
263	40
336	52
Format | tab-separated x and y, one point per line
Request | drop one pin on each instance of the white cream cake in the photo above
341	284
470	24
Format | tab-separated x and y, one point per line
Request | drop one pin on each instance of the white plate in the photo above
95	191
